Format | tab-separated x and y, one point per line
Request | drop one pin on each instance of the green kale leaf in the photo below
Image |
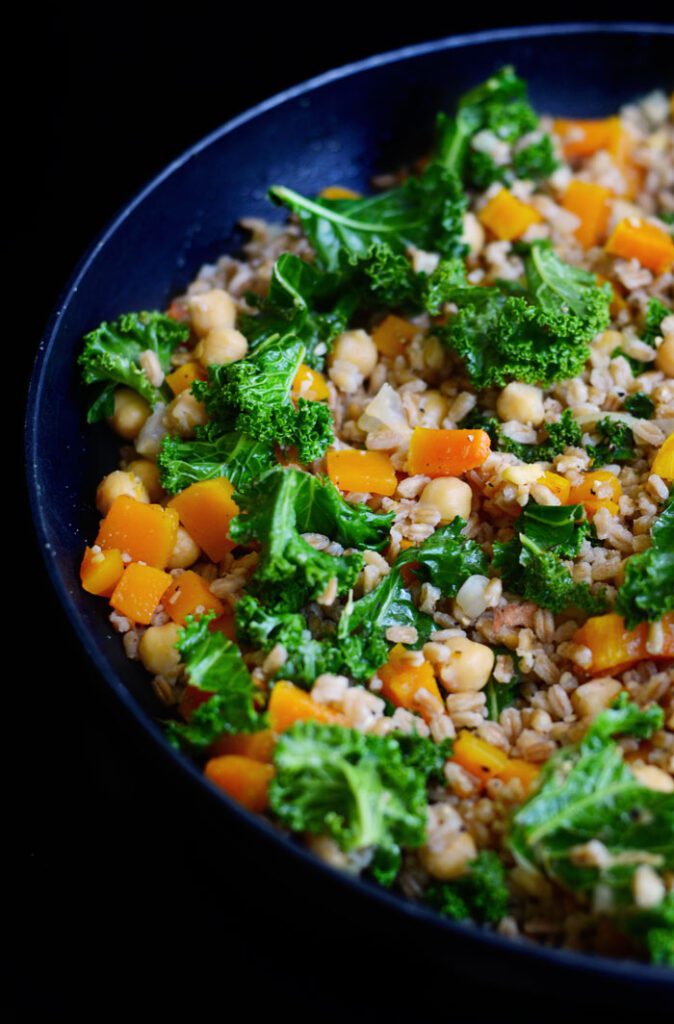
252	396
212	454
304	302
563	434
647	592
446	558
426	212
354	787
531	565
480	894
587	793
656	311
502	695
537	338
290	572
214	664
640	405
616	444
500	107
111	356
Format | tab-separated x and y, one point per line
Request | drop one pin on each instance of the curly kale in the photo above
563	434
499	107
212	454
354	787
586	793
640	405
215	665
290	572
531	562
426	212
647	592
111	356
616	444
537	338
480	894
312	306
252	396
656	311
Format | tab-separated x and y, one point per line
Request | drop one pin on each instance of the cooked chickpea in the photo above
664	357
591	698
357	348
433	407
469	666
129	414
653	777
185	551
157	649
211	309
521	402
184	414
220	346
148	472
115	484
449	496
473	233
451	859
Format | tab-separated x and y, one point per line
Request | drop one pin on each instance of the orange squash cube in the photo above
184	377
206	509
507	216
590	203
139	591
242	778
393	334
257	745
100	571
310	384
402	681
188	594
370	472
288	704
446	452
145	532
590	492
647	243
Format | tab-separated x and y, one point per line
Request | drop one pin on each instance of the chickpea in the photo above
653	777
452	859
184	414
211	309
220	346
664	357
148	472
185	551
129	414
449	496
521	402
469	666
117	483
433	408
357	348
473	233
591	698
158	652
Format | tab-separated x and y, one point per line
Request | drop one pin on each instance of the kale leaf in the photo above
480	894
212	454
112	352
354	787
214	664
426	212
587	793
531	565
502	695
616	444
647	592
290	572
305	302
656	311
538	337
500	107
563	434
640	405
446	558
252	396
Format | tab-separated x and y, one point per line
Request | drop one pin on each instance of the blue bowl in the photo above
342	127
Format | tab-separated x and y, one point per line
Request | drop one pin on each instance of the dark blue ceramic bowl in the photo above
341	127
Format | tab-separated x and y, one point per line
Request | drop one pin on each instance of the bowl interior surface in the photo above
341	128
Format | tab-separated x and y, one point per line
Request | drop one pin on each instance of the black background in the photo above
127	898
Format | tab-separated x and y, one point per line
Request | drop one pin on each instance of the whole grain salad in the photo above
392	530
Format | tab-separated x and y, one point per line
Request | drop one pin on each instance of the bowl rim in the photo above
589	964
